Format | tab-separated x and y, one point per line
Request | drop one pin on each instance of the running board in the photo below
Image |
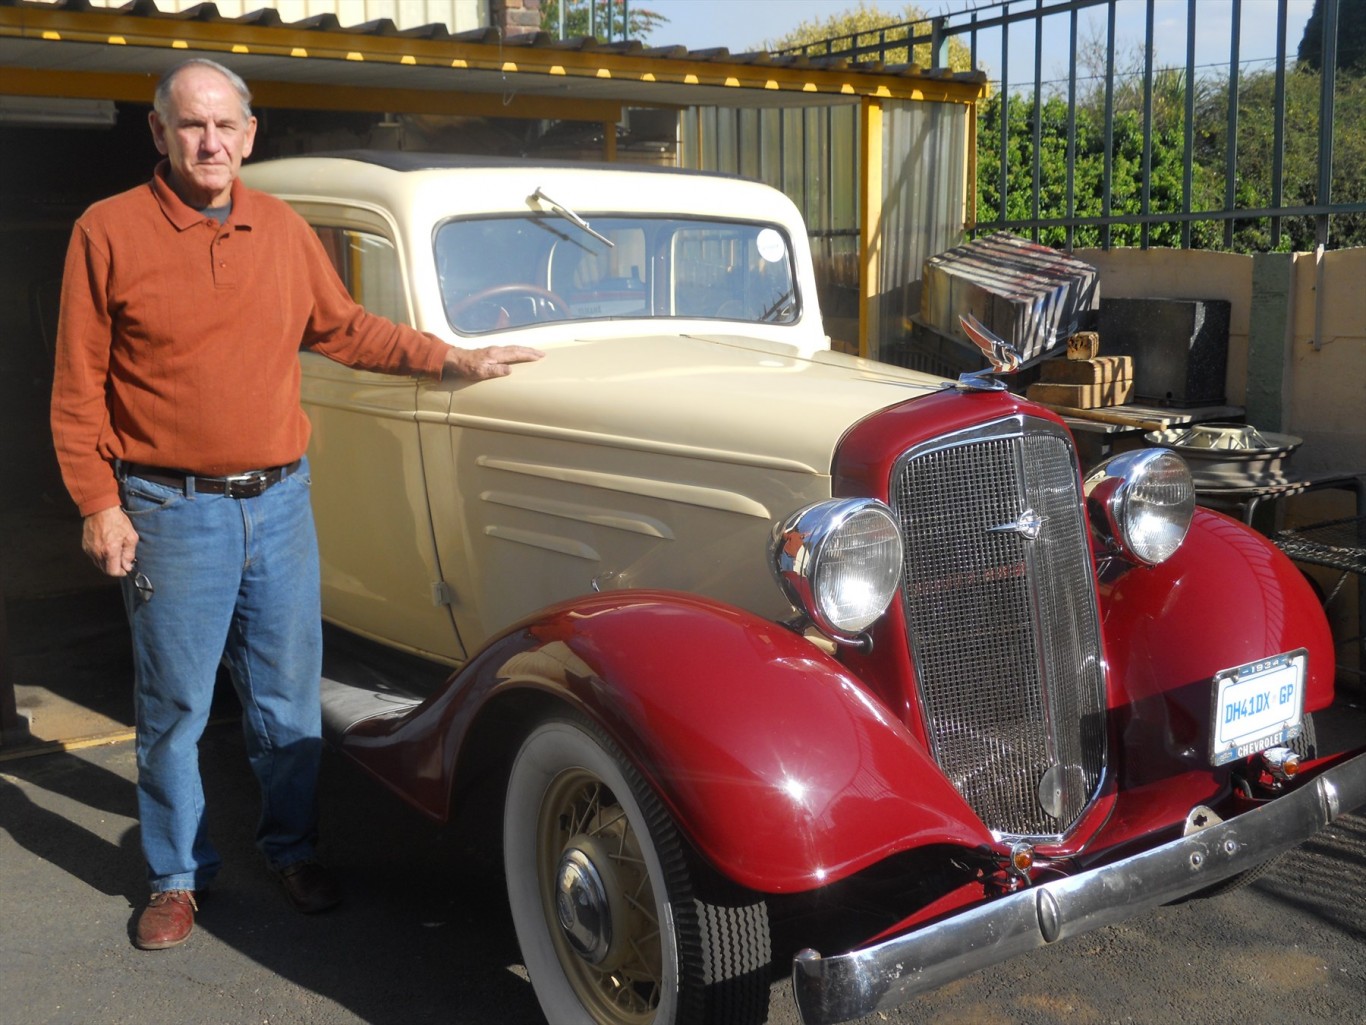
347	703
362	680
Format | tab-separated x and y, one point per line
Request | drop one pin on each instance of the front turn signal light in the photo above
1281	763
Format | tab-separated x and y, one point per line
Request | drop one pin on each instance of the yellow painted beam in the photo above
431	101
135	88
84	85
113	28
870	221
970	177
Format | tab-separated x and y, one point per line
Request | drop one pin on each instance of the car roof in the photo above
416	160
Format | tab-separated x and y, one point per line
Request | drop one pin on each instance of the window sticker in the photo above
771	246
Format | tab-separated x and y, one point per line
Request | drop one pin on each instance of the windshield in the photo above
506	272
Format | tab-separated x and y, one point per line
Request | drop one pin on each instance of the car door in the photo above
380	575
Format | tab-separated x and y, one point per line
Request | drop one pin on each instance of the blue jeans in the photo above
232	581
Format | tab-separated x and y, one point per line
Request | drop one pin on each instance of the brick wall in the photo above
515	16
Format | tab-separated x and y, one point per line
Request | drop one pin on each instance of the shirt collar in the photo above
184	216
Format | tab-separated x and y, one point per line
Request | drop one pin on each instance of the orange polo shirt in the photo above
178	338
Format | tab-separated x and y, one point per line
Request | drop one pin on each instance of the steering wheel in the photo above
545	304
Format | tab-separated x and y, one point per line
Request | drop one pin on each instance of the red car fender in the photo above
780	765
1226	598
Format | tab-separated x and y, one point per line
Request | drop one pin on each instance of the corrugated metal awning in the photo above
68	48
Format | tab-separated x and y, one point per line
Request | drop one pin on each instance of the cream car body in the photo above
638	453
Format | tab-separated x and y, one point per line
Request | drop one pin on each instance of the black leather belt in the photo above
248	484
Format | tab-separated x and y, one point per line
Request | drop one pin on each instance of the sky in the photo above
743	25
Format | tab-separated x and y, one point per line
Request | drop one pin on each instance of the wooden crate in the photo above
1085	383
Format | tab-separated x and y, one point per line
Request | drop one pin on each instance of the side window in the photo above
368	266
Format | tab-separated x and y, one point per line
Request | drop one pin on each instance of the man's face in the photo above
204	136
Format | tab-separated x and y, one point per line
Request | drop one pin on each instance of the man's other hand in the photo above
493	361
111	542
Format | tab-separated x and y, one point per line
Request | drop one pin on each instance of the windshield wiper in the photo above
780	308
570	216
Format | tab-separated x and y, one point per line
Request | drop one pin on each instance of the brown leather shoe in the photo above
309	887
167	920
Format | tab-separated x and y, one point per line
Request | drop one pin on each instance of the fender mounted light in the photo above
839	563
1141	504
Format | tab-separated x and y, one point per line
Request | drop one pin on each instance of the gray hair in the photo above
161	101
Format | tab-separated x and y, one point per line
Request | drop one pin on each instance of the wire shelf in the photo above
1337	544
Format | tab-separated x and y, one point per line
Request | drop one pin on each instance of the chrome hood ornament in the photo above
1003	357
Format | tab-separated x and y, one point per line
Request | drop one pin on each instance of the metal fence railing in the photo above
1133	114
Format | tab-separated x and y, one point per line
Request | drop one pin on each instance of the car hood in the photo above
721	397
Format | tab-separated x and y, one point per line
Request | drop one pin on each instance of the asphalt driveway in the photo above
424	935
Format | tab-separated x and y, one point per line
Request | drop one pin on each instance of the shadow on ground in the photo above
423	936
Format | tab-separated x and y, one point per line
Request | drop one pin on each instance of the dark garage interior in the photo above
47	177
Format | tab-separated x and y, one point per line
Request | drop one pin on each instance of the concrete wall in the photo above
1275	369
1296	362
1177	274
1325	372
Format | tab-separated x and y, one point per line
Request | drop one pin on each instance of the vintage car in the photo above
768	654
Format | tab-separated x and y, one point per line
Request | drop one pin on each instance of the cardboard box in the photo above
1083	345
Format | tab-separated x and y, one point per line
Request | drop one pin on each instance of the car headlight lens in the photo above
1142	503
839	562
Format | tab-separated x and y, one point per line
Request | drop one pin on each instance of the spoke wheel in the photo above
604	901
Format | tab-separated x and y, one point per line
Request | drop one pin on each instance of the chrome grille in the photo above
1003	626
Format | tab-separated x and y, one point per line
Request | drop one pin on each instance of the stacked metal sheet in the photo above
1031	295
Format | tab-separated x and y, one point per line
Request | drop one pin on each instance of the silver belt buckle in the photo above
246	485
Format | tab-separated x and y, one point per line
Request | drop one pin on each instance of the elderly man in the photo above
177	424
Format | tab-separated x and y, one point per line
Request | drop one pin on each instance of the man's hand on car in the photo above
492	361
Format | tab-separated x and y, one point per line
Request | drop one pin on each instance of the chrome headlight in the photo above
839	562
1141	503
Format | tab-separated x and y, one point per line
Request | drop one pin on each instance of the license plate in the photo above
1258	705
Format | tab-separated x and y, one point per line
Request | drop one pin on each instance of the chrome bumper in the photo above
835	989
